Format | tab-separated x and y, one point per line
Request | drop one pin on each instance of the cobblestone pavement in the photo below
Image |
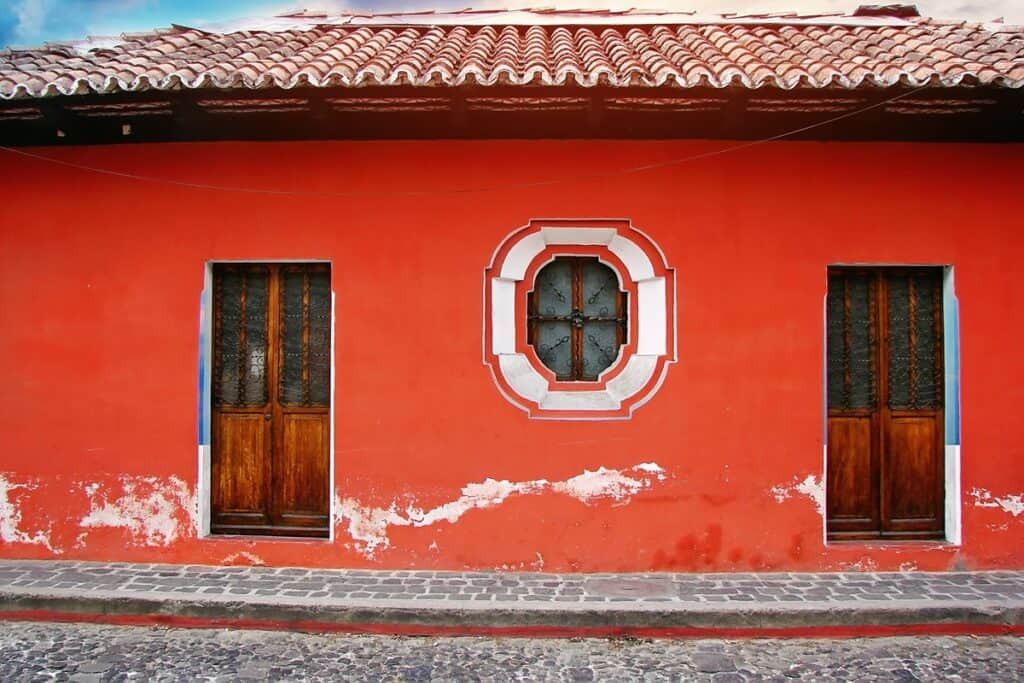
87	652
472	589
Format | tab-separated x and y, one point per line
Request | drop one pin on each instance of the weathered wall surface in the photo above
100	284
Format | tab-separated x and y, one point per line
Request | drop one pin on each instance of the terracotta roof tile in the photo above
873	47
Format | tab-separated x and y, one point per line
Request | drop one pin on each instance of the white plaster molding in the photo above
522	376
503	316
651	323
633	257
579	400
530	384
521	255
638	371
579	236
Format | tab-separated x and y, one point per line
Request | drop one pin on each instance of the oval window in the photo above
577	318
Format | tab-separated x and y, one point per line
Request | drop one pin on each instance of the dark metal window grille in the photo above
242	328
305	336
851	340
240	335
898	308
577	317
915	338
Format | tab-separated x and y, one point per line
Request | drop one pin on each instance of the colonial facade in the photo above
526	290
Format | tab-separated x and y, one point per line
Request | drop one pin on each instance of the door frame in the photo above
205	406
952	493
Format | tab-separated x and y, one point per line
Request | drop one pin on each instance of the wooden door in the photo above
885	403
270	468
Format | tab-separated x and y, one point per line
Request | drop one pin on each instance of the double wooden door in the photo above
885	403
270	471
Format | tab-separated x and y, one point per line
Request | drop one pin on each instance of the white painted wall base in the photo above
203	492
954	530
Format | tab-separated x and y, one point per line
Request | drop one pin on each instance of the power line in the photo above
466	190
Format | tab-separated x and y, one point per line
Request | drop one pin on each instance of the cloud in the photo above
30	16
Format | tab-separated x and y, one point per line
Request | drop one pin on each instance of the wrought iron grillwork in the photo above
240	335
851	340
577	317
902	307
915	338
305	329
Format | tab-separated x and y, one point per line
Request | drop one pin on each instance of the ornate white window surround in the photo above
643	361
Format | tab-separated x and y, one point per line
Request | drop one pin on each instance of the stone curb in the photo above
279	613
433	602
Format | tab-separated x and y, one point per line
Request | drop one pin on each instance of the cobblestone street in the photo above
86	652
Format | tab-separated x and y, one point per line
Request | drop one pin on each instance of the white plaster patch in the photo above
10	519
149	508
601	483
368	526
483	495
809	486
864	564
538	566
652	468
243	558
1014	504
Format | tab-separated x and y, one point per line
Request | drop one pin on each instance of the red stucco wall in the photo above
100	284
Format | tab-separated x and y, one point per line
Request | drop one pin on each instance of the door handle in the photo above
267	416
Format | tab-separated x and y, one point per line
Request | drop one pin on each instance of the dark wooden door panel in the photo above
270	466
852	504
913	494
303	470
240	469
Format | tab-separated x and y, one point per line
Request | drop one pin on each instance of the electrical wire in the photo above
465	190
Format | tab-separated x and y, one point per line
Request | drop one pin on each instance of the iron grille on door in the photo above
885	403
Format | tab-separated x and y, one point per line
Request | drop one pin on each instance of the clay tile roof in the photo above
875	46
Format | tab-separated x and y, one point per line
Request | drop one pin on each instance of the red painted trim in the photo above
308	626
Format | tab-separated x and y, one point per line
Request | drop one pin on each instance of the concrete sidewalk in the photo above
436	602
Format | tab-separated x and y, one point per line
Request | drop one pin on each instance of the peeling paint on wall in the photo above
10	518
538	566
810	487
1014	504
154	511
368	526
243	559
604	483
864	564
